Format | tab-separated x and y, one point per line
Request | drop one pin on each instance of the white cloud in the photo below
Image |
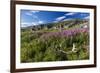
72	13
34	16
34	11
37	23
67	19
40	22
30	13
55	21
60	18
34	23
87	17
25	24
83	14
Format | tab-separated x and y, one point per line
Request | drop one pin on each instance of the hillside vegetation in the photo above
62	41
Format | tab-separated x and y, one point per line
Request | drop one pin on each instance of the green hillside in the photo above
55	41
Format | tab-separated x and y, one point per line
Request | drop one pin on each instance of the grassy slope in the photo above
34	49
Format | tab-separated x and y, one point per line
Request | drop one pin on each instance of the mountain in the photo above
68	23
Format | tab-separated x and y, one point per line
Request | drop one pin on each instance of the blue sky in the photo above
33	17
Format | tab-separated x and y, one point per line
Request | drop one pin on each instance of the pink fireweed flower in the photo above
64	33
